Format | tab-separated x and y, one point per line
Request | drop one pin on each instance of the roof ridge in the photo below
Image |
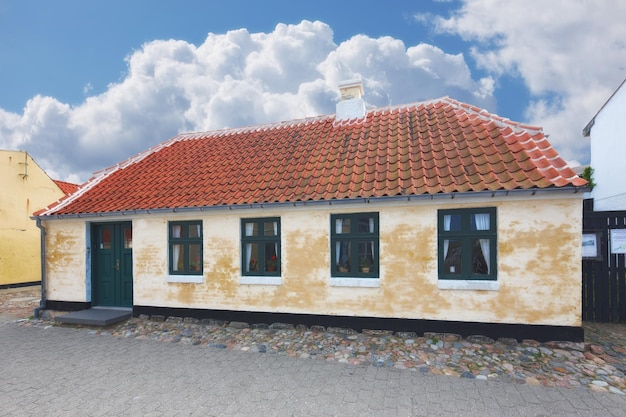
487	115
99	175
251	128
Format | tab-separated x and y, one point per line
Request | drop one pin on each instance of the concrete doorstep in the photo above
96	316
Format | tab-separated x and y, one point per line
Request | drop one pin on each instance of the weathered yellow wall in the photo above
67	276
21	195
539	267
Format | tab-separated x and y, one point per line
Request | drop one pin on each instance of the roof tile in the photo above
66	187
424	148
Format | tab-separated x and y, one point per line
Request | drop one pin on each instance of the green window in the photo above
185	248
260	246
467	243
354	245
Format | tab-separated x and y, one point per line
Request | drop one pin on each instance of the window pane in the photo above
342	226
252	229
252	257
453	253
343	249
178	257
176	231
480	221
193	230
452	222
480	256
364	225
270	228
128	238
105	239
271	257
366	255
195	258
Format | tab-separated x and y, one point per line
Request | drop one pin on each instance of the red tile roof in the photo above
439	146
66	187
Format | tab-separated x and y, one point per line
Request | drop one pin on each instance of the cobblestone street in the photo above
599	364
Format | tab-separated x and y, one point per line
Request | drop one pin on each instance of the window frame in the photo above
354	237
186	241
466	235
261	240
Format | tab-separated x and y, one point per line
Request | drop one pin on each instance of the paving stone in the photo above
598	364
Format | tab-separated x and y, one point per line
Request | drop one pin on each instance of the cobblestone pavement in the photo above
181	367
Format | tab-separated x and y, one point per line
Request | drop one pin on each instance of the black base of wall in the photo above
20	285
541	333
67	305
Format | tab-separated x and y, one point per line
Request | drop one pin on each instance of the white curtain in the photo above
248	256
338	230
249	232
175	257
176	231
447	220
198	230
482	223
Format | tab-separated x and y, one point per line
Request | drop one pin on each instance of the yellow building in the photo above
26	188
432	216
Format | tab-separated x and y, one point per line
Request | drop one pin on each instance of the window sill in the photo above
459	284
192	279
259	280
355	282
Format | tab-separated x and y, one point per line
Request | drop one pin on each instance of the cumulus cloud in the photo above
571	56
230	80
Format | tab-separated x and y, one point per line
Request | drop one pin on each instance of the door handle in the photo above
117	264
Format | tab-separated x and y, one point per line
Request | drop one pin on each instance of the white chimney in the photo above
351	105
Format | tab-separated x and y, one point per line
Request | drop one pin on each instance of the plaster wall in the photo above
608	145
67	277
539	268
26	188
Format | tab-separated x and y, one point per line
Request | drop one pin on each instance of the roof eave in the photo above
587	129
345	201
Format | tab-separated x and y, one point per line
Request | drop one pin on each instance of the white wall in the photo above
608	154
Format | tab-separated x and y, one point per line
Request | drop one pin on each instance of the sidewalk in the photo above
598	365
53	371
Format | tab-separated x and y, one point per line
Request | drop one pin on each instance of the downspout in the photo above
42	302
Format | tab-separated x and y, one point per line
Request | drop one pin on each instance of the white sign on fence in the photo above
590	245
618	240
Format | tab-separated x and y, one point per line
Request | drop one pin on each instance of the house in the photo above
604	215
432	216
608	144
25	188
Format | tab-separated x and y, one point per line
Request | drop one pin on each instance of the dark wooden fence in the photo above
604	276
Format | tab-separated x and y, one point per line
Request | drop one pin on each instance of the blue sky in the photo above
84	85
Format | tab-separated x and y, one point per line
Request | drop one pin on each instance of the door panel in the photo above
112	269
126	264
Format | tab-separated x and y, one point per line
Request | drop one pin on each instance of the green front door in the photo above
112	267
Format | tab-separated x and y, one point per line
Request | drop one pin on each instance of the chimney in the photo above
351	105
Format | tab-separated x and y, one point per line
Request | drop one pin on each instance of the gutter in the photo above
335	202
42	302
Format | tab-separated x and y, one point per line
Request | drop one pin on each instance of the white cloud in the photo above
230	80
570	54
